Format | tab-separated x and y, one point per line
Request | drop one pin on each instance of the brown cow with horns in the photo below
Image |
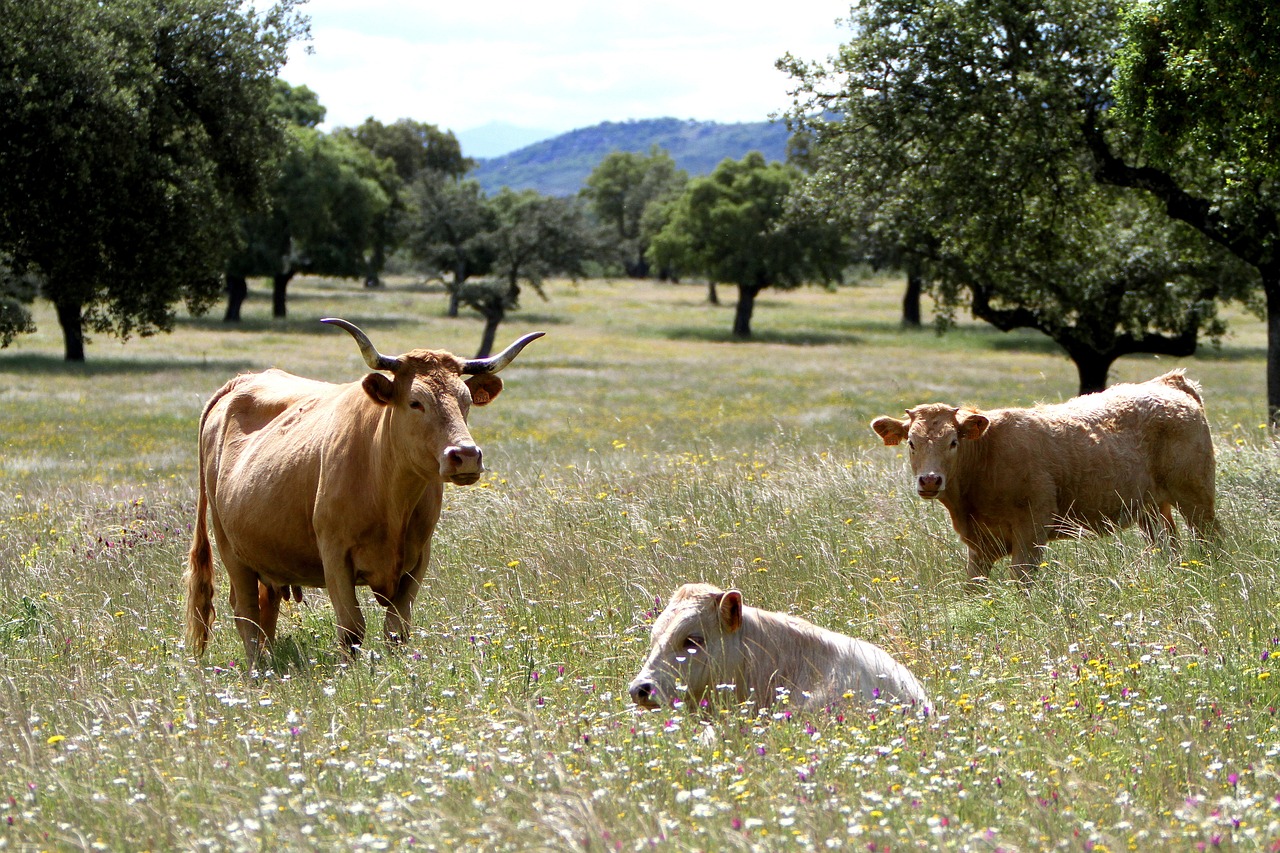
308	483
1012	479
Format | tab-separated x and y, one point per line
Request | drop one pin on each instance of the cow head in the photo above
428	398
696	643
933	434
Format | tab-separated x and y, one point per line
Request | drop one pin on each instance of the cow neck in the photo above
763	642
970	456
400	486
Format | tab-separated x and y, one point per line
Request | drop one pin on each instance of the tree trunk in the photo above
237	290
455	289
637	268
378	260
491	322
742	315
71	320
279	288
911	299
1271	287
712	296
1092	368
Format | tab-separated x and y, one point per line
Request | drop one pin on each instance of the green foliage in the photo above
1203	77
622	188
132	134
560	166
731	226
958	145
325	201
536	236
448	225
297	105
413	146
17	291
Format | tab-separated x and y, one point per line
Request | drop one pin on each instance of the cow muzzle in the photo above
461	464
644	693
929	485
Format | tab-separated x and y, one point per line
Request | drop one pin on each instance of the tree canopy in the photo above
448	225
322	212
132	135
412	148
621	188
966	133
1203	77
732	226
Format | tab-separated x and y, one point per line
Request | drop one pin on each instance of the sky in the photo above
556	65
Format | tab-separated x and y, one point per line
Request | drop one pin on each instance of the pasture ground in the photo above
1129	704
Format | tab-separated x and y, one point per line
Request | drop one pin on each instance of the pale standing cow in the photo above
1013	479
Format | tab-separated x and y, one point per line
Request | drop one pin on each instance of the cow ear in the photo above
730	611
379	388
891	430
484	388
973	425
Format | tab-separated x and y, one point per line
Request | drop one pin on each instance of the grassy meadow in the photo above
1129	704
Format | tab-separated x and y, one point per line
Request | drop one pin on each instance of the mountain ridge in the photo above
560	165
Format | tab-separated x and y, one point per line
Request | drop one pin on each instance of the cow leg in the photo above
1026	561
1158	526
269	598
248	617
978	569
340	582
1198	510
400	606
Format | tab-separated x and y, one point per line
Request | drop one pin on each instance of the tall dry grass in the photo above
1129	703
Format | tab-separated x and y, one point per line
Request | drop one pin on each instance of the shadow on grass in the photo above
48	365
516	324
1038	344
802	338
1231	354
308	325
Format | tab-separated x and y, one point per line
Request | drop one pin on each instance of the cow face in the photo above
427	403
695	645
933	434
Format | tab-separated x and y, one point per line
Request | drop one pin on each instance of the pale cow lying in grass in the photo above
1013	479
707	640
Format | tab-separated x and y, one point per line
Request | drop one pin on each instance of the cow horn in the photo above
372	357
493	364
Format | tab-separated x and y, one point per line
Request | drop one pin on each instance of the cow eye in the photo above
911	444
695	643
415	404
955	442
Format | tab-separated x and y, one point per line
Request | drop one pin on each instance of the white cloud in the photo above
559	64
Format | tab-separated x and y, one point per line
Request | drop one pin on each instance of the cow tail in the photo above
1178	379
199	574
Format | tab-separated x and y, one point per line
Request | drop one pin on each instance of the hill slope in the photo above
560	165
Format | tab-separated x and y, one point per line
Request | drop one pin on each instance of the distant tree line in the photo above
1103	173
